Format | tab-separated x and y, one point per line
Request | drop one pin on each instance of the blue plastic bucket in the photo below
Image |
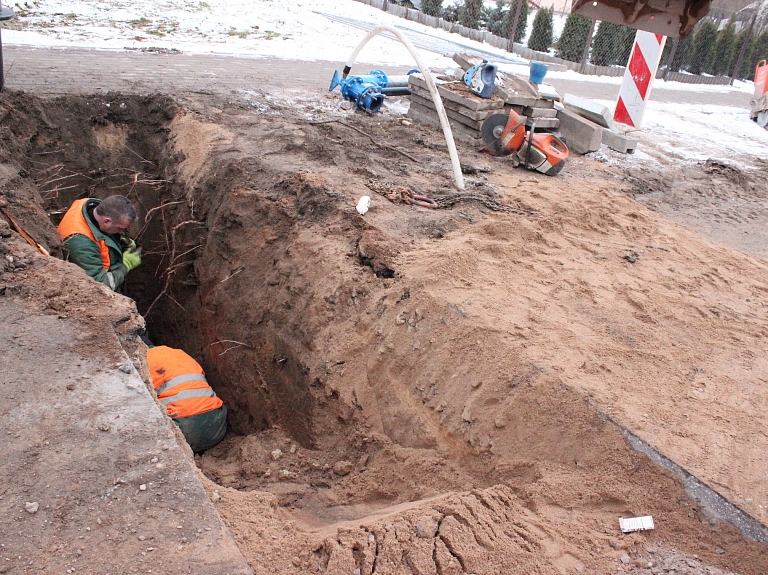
538	71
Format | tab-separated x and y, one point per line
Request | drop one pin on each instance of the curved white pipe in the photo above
432	90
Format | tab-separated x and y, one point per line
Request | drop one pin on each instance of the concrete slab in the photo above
540	112
592	111
452	114
93	478
460	132
463	96
618	142
542	103
543	123
520	85
465	61
580	135
514	98
471	115
549	92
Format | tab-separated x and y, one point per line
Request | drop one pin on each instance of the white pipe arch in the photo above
458	177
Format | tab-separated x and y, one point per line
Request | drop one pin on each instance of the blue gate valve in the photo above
365	90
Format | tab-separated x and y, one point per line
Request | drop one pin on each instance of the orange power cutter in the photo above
505	134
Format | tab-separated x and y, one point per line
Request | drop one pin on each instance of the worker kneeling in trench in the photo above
92	232
180	384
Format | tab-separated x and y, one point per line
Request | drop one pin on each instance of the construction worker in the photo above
92	232
180	384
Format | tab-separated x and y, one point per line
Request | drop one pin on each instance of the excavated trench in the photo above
350	388
219	279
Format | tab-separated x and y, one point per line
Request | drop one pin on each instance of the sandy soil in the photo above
419	391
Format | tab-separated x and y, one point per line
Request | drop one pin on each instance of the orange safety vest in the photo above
74	223
180	383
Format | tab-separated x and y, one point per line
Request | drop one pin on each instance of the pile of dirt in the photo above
721	201
435	391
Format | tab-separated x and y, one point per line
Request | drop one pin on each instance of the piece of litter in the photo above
142	487
363	205
32	507
644	523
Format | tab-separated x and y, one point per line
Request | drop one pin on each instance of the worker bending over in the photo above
180	384
92	235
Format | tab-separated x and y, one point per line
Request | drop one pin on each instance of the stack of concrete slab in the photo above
585	125
534	102
466	111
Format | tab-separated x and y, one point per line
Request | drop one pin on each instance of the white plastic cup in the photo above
363	205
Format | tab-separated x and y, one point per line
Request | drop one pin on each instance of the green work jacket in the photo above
83	252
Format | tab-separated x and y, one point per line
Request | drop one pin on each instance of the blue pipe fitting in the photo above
364	90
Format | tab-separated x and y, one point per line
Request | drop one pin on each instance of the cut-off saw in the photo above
505	134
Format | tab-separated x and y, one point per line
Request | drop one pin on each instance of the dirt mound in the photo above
442	381
715	198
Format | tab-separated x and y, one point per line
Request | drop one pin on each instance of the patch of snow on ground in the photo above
673	132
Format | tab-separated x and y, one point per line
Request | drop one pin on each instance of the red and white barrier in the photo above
638	78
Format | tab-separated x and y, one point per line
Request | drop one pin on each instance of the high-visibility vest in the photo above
180	383
74	222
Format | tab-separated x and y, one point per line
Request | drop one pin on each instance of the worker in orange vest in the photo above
92	232
181	387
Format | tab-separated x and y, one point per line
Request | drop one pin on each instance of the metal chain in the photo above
451	199
400	194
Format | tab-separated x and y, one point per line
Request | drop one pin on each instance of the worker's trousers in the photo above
205	430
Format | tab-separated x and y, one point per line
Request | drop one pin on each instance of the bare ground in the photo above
419	391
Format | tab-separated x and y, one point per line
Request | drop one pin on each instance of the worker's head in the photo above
115	215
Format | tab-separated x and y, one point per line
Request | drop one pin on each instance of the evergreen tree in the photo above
431	7
542	30
606	45
494	18
724	49
570	45
471	13
702	59
682	59
625	43
509	20
744	70
450	13
759	52
407	4
665	53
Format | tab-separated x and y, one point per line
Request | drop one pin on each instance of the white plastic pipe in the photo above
432	90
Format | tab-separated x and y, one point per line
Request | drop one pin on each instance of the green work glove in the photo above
131	258
127	243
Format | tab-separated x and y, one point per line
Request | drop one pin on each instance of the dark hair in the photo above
117	208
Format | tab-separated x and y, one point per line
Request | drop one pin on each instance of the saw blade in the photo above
493	127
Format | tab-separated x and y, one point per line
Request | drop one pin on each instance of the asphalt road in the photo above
89	71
